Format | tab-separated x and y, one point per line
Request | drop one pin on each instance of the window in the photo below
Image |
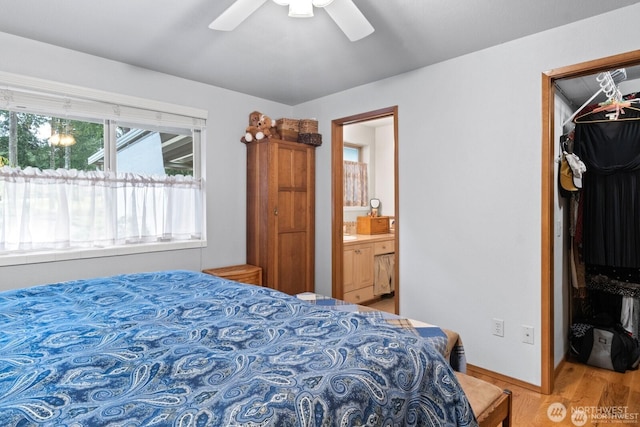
84	172
48	142
351	154
356	178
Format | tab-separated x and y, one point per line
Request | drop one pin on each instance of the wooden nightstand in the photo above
244	273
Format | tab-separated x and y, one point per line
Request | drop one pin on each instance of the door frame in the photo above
337	219
548	191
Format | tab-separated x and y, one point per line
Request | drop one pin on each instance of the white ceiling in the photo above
284	59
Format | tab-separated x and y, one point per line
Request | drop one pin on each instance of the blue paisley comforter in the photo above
180	348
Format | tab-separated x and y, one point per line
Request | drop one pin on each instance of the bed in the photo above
445	341
181	348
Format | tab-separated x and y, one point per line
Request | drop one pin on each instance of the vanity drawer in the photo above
384	247
372	225
359	296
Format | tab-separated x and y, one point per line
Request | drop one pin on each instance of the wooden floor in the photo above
578	388
387	304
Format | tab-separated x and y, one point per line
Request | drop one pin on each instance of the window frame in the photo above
138	110
357	148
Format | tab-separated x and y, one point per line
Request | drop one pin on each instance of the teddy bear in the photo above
260	127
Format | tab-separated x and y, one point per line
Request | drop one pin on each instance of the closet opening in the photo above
559	102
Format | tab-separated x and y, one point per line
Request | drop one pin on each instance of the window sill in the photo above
84	253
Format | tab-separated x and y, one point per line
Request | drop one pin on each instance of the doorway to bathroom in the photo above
365	239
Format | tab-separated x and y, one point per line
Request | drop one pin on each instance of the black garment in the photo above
610	150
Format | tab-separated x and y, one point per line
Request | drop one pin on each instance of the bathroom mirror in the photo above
375	205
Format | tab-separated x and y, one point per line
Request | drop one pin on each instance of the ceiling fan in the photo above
344	12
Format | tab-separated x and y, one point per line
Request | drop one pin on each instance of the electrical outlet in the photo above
527	334
497	327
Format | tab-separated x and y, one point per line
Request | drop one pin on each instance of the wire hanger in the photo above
608	81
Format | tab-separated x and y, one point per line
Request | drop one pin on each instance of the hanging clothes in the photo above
629	315
610	150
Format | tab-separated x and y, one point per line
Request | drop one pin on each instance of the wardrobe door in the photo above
293	220
281	213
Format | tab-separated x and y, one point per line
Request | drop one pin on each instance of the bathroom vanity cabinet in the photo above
358	272
359	257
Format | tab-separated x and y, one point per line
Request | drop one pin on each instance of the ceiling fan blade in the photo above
349	18
235	14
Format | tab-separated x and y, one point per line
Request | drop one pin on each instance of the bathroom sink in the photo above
347	237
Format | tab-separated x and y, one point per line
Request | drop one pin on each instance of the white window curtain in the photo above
356	180
66	209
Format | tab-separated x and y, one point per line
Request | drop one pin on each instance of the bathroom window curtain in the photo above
356	178
60	209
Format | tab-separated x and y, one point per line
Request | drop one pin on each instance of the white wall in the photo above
377	150
225	156
470	183
384	173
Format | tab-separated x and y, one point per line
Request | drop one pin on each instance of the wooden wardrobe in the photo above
281	213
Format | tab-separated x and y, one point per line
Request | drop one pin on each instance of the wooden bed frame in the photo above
491	404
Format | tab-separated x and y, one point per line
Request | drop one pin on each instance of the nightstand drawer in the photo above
244	273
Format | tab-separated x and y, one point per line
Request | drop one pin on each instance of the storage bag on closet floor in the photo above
608	347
